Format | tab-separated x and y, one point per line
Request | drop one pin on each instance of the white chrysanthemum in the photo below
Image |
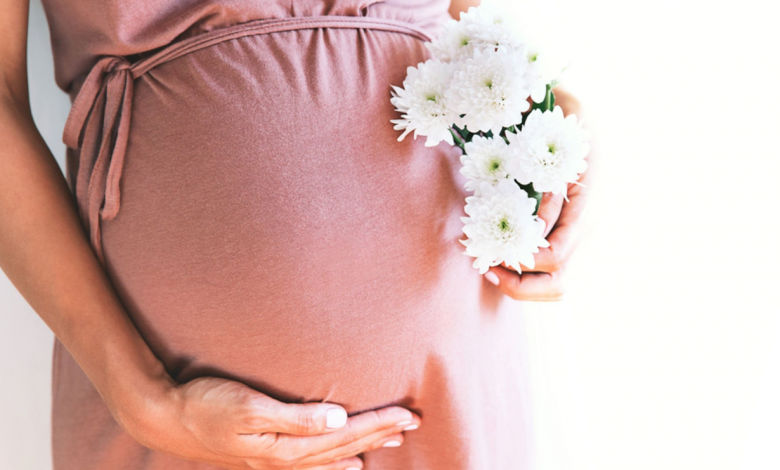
423	103
452	43
501	227
489	90
546	53
485	159
488	26
549	151
480	27
542	70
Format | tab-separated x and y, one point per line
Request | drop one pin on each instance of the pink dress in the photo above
240	180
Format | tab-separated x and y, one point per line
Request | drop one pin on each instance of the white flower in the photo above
481	27
423	103
452	43
489	89
488	26
485	159
549	151
501	227
542	70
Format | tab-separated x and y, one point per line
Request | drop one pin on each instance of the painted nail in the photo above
391	444
335	418
411	428
352	468
403	423
492	277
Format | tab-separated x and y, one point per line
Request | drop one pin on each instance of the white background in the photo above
666	352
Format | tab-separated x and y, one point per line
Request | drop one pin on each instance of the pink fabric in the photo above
109	106
272	230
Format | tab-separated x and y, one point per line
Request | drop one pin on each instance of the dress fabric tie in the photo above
103	107
103	104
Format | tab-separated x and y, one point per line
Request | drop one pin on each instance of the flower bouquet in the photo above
489	90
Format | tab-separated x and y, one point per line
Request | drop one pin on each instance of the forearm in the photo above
571	105
457	6
45	253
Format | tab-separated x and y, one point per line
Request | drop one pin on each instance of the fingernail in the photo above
492	277
335	418
391	444
352	468
403	423
411	428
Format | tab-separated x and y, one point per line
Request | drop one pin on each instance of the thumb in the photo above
305	419
550	210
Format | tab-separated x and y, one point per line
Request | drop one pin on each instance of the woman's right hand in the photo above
46	254
230	425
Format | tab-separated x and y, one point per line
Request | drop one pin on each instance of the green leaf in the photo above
529	189
458	140
464	133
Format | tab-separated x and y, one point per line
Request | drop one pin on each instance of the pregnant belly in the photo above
273	230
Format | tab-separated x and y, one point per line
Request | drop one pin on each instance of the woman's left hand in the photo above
564	229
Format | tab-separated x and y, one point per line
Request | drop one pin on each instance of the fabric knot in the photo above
99	121
98	125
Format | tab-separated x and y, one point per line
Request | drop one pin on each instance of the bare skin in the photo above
45	253
565	223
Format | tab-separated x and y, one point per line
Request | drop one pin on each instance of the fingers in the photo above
228	424
530	286
351	463
388	437
360	433
565	236
302	419
545	282
357	428
549	210
563	241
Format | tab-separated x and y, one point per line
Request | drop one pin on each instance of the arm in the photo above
457	6
45	253
565	225
565	222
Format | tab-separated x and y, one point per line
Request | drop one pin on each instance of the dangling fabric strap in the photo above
102	109
104	98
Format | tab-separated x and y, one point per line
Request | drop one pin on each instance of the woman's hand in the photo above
45	252
564	227
227	424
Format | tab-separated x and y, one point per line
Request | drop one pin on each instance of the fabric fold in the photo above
98	124
101	111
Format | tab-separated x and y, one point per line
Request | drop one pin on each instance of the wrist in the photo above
141	404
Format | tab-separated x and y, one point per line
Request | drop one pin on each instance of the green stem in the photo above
458	140
548	100
552	98
547	104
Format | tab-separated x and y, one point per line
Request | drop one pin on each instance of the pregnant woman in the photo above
243	268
